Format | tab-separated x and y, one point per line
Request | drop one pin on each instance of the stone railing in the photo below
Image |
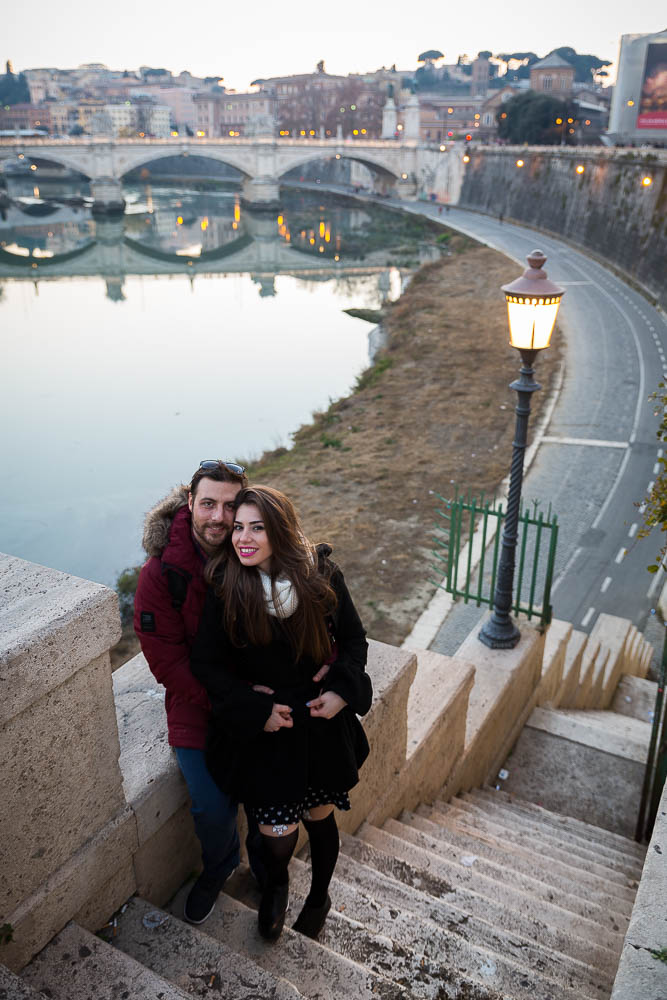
94	805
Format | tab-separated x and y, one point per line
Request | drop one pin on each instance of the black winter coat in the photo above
262	768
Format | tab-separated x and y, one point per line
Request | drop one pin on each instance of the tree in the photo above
126	586
655	504
585	66
430	55
531	117
14	89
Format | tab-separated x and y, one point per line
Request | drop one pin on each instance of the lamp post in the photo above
532	306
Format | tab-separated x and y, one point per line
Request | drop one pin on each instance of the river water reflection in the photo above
188	329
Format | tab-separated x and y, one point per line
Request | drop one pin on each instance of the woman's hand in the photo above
263	689
326	705
321	673
281	717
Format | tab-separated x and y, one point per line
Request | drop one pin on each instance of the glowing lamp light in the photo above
559	121
587	122
532	306
466	158
353	107
21	156
175	134
468	138
631	104
443	149
399	128
338	156
580	168
477	117
647	181
312	132
363	131
449	135
33	166
404	177
200	134
355	131
450	111
519	163
179	220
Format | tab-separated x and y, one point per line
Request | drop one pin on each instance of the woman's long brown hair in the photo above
246	619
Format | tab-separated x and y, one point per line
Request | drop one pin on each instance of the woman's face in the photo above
250	539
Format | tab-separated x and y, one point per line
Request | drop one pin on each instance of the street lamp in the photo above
532	306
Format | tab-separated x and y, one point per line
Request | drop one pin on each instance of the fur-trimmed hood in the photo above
157	523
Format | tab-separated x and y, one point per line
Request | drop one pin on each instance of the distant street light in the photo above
532	306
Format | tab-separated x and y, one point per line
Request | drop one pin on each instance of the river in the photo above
188	329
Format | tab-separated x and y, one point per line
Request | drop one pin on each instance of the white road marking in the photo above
587	617
633	530
593	442
650	486
605	584
657	580
621	554
656	468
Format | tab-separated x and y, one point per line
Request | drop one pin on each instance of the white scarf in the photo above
287	599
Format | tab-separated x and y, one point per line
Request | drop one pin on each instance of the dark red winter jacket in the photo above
166	633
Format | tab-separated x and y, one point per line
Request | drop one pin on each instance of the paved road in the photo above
599	455
598	458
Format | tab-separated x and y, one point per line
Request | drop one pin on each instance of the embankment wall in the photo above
606	209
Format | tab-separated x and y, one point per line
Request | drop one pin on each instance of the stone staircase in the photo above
482	898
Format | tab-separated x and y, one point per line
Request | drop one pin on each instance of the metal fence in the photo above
466	518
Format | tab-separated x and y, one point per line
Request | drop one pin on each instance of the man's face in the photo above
212	512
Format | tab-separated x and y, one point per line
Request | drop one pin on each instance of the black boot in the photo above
311	919
272	910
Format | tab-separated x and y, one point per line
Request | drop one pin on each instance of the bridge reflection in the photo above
170	233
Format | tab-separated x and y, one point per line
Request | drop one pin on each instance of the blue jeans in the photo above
214	815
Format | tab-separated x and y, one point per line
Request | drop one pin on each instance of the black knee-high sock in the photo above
324	846
277	853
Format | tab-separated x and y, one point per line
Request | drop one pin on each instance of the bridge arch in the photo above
374	163
133	161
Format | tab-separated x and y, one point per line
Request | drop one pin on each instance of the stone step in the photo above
431	961
620	735
586	868
607	935
527	861
76	965
464	911
527	970
635	696
13	988
501	874
584	849
315	971
572	668
624	847
533	950
190	959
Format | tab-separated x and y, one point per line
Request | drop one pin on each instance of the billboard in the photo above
653	101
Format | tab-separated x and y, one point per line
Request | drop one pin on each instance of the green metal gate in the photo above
481	521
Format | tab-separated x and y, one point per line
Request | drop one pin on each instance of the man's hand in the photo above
281	717
321	673
326	705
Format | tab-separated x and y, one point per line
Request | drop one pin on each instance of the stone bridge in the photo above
406	166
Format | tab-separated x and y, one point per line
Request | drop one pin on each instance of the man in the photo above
181	534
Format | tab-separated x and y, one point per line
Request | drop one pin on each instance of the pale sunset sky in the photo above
242	41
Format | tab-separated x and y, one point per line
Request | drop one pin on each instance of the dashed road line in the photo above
587	617
633	530
621	554
605	584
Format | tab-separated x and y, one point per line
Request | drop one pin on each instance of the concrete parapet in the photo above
553	664
501	700
64	822
642	971
614	635
436	725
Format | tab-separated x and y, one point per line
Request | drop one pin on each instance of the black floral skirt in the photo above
288	813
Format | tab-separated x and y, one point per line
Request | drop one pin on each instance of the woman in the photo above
282	654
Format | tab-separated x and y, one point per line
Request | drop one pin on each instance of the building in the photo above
552	75
639	105
233	113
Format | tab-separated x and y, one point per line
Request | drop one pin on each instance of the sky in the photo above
262	38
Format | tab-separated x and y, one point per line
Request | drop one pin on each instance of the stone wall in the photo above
605	209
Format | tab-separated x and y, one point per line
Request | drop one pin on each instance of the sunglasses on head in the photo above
215	463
